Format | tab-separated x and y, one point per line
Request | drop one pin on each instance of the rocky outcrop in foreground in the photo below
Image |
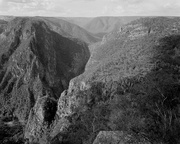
115	137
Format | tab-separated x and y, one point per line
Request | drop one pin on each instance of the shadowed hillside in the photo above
36	65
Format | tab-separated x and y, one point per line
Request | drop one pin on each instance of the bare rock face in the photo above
41	116
66	106
36	65
117	137
108	137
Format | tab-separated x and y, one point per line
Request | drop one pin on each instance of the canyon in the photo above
78	81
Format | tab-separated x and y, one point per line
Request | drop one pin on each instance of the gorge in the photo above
60	84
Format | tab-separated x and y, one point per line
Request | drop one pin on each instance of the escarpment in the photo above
36	65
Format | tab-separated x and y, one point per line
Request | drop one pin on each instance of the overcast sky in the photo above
90	8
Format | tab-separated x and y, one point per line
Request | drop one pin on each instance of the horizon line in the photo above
91	16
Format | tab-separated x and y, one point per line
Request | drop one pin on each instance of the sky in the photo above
90	8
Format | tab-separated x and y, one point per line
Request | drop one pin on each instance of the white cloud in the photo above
148	7
90	7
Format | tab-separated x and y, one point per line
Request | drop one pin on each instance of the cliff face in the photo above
36	65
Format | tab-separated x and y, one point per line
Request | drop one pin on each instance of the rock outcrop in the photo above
108	137
36	65
116	137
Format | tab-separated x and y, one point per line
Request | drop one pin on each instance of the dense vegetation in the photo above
134	84
131	51
147	108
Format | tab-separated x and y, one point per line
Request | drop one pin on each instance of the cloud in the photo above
147	7
26	5
90	7
32	8
19	1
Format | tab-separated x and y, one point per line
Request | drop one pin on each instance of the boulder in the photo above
109	137
118	137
